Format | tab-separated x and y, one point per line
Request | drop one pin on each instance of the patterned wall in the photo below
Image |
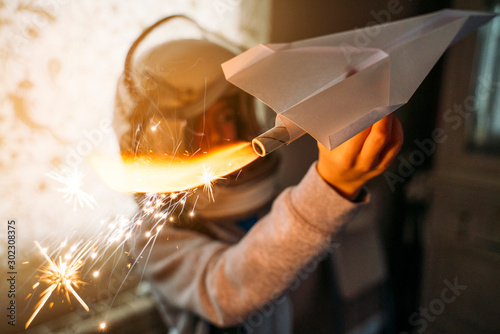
59	63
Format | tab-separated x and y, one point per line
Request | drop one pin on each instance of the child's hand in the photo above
349	166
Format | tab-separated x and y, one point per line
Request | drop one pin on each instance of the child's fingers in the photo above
351	148
393	146
376	141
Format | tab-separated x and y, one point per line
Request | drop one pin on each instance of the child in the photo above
230	269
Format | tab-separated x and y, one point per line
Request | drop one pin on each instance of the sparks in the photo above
165	174
153	128
72	191
61	276
209	177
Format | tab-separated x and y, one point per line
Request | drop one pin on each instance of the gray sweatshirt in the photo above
231	278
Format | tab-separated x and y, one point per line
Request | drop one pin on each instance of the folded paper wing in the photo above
334	86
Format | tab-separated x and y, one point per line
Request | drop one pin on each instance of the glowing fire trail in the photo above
161	174
166	182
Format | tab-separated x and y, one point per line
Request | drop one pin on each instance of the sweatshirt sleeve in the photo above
223	283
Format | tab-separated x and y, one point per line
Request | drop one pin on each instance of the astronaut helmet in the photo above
174	100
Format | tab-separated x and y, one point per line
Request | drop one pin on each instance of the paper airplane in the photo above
334	86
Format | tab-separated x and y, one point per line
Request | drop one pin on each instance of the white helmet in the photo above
174	100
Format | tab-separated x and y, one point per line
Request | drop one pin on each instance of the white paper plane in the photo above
335	86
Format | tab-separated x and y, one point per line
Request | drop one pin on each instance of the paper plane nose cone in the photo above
474	21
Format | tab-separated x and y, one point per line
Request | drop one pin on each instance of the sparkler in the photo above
166	183
63	273
72	181
62	277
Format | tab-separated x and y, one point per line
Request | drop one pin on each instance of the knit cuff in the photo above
320	205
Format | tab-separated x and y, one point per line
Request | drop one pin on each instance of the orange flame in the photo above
153	174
